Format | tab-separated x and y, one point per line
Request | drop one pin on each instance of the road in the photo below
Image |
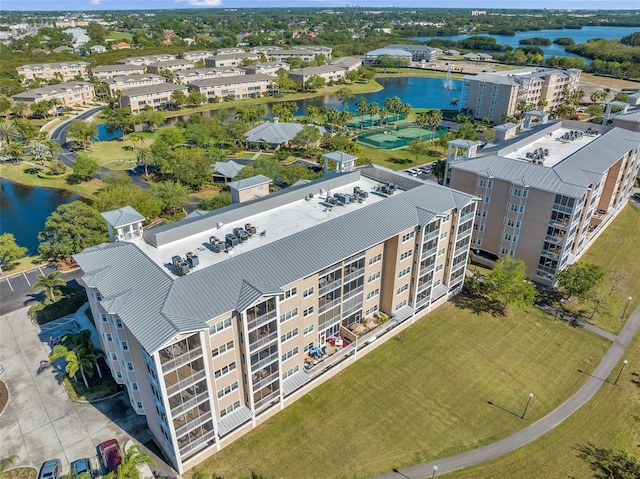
529	434
59	135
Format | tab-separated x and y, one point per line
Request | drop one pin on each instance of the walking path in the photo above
538	428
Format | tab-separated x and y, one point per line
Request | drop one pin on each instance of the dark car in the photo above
110	454
58	336
50	469
80	466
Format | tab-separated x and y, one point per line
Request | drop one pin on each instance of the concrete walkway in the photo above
538	428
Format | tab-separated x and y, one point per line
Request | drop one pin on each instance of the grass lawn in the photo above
615	250
206	194
120	36
246	154
398	159
23	264
121	150
420	396
27	175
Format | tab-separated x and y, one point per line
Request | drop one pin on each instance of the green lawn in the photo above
23	264
27	175
117	154
615	250
120	36
420	396
399	159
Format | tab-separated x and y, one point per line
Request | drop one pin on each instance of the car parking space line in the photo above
26	279
9	283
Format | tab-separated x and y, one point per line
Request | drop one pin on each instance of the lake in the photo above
420	92
579	36
24	210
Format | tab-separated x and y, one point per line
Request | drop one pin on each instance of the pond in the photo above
579	36
105	135
24	210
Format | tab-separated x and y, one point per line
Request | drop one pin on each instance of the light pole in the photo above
558	310
435	469
527	406
624	363
625	307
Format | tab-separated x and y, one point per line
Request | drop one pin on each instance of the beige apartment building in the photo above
185	77
146	59
119	84
547	193
198	55
156	96
105	72
493	95
267	68
63	71
329	73
69	94
235	87
170	65
230	60
215	323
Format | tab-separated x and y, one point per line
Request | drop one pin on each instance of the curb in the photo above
6	406
84	401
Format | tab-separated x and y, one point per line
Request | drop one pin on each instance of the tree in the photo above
71	228
610	463
250	114
178	98
195	98
385	61
579	279
19	108
40	151
5	105
344	95
221	200
118	119
308	134
144	157
84	167
373	110
284	110
82	131
79	360
453	102
434	118
49	282
25	129
314	82
9	250
119	193
171	194
150	118
507	283
422	119
361	104
8	132
14	150
595	110
418	147
132	461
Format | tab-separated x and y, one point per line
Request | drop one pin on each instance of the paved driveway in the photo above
41	421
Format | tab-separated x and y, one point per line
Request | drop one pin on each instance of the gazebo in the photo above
343	161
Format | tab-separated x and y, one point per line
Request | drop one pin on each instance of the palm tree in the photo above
40	151
78	360
49	282
8	131
422	119
405	109
434	117
373	109
144	156
132	460
453	102
361	104
438	168
384	113
83	340
14	150
332	116
7	461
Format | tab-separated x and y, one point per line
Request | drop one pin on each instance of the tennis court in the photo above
390	138
359	121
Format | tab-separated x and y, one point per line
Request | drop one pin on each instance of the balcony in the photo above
325	306
329	287
260	320
559	239
182	359
429	236
190	424
274	398
266	380
562	208
197	443
264	361
190	404
183	383
263	340
354	275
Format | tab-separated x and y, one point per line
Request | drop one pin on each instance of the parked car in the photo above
110	454
80	466
58	336
50	469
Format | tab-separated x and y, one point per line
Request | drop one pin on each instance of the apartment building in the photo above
494	95
235	87
329	73
267	68
282	55
371	58
63	71
69	94
187	76
105	72
419	53
169	65
157	96
198	55
547	193
117	84
230	60
213	352
146	59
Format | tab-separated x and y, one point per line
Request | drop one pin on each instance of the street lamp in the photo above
435	469
558	309
625	307
527	406
624	363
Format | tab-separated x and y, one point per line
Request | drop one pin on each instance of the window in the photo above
443	235
371	310
103	317
109	337
404	272
291	372
217	327
487	199
222	349
227	390
507	237
308	329
97	295
373	277
289	315
375	259
114	357
290	354
134	386
229	409
124	345
408	236
441	251
129	367
308	311
307	347
373	294
439	267
402	289
225	370
406	254
138	404
118	375
401	304
287	336
289	293
307	292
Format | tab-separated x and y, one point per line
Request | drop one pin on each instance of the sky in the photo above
68	5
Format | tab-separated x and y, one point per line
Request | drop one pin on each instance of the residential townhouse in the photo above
329	73
282	55
198	55
185	77
170	65
104	72
69	94
546	193
118	84
235	87
157	96
230	60
146	59
63	71
211	354
230	51
267	68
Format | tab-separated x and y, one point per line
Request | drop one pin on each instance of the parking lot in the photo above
41	422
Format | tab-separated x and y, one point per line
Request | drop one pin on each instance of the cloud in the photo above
201	3
95	2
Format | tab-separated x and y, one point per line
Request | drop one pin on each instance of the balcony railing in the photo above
182	359
562	208
264	340
274	397
265	381
260	320
190	404
329	287
326	306
430	236
195	444
263	362
183	383
189	425
353	293
554	238
354	275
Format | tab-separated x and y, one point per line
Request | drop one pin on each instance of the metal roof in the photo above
117	67
228	169
249	182
317	70
274	133
232	80
157	88
250	293
122	216
340	157
233	420
394	52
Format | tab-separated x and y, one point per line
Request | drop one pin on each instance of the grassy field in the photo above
120	36
615	250
398	159
27	175
420	396
23	264
118	154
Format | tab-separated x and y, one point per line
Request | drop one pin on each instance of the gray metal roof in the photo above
157	88
249	182
233	420
250	293
228	169
134	78
170	63
274	133
122	216
317	70
117	67
340	157
405	312
295	381
231	80
394	52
